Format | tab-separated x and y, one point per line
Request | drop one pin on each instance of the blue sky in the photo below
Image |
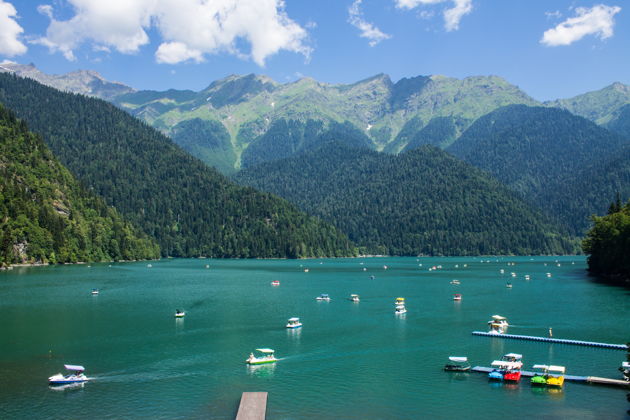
549	48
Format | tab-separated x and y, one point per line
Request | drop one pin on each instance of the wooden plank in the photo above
253	406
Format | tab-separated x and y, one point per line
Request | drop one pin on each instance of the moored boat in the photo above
267	356
324	297
294	323
548	375
457	364
77	376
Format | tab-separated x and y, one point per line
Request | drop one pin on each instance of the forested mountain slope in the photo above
46	217
550	156
420	202
252	110
188	208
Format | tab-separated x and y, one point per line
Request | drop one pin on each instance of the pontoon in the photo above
294	323
266	357
74	378
457	364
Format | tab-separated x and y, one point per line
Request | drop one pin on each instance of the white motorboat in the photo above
354	298
77	376
294	323
267	356
324	297
95	291
179	314
457	297
498	324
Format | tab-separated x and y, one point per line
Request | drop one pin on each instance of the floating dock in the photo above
253	406
553	340
572	378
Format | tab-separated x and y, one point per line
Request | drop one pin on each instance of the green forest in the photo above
607	244
189	208
420	202
559	162
46	216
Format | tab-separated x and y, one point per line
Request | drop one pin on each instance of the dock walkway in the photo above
553	340
253	406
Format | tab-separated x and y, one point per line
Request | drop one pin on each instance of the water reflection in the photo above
294	333
179	325
67	387
261	371
553	393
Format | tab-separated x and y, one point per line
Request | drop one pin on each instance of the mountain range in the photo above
533	172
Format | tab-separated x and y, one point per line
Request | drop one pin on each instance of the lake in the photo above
349	361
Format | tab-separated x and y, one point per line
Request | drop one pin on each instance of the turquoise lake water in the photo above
349	361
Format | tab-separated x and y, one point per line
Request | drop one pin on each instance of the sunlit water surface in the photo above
349	361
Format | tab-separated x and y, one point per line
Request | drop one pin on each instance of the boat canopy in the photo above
269	351
294	319
324	295
506	365
625	365
400	298
354	295
458	359
541	367
513	355
498	318
557	369
74	367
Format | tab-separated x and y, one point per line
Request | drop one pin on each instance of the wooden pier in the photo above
584	379
253	406
553	340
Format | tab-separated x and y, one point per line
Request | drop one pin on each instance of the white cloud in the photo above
598	21
553	15
10	31
368	30
190	29
452	15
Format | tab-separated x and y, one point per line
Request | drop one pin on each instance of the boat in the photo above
275	283
548	375
498	324
508	285
457	364
555	376
266	356
625	370
354	298
323	296
77	376
400	306
294	323
503	370
457	296
306	270
179	314
540	375
513	371
455	282
95	291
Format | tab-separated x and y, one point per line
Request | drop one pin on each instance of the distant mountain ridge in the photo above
86	82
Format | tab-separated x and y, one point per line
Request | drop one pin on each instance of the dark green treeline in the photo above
608	244
46	216
420	202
